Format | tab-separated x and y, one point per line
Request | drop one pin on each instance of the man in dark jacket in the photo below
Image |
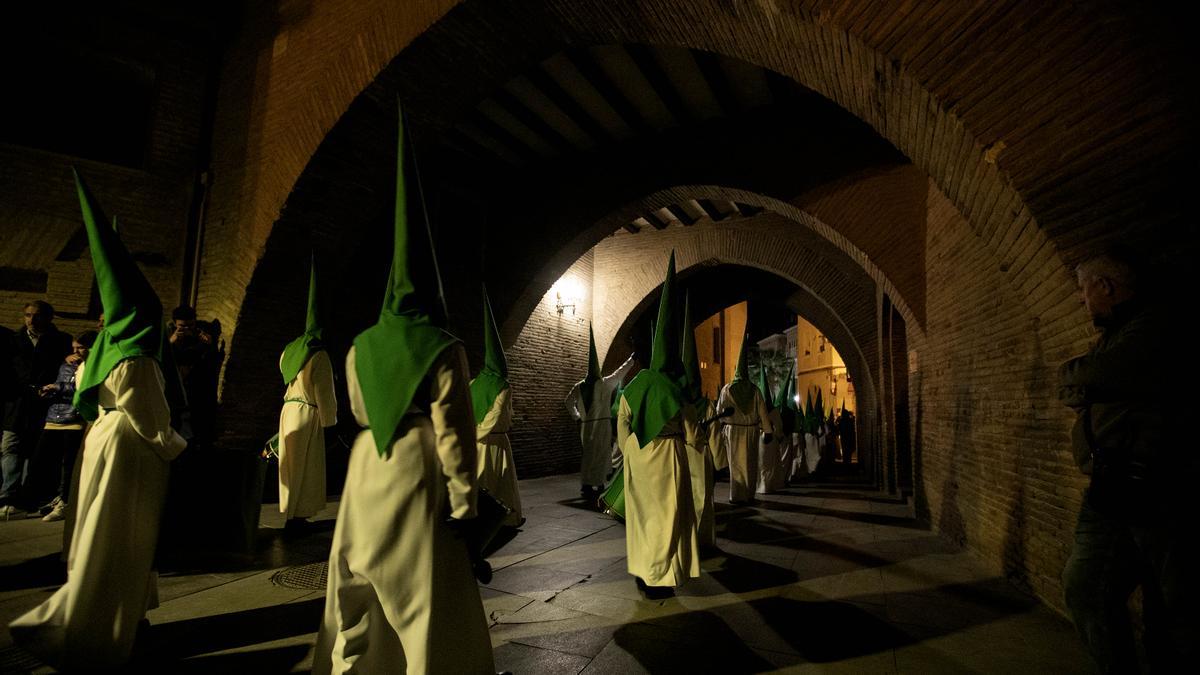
1134	525
33	355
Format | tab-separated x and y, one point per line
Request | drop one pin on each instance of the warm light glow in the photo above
566	292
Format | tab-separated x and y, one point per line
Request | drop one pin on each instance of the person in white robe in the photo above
590	403
491	399
770	465
309	406
91	622
788	446
812	439
700	459
655	426
742	430
400	596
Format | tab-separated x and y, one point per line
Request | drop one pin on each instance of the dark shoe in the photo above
659	592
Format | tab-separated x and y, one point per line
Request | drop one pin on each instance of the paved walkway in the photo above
822	579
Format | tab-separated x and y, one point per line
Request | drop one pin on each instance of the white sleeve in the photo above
138	383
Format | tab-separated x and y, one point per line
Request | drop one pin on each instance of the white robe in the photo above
595	428
787	450
700	470
716	439
770	464
812	452
91	621
660	529
401	596
742	431
497	470
309	405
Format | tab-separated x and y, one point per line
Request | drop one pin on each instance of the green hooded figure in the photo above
299	351
741	389
493	379
810	426
786	403
393	356
764	386
133	315
654	395
691	384
819	408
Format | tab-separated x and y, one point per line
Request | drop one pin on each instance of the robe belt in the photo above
496	435
597	419
737	424
300	400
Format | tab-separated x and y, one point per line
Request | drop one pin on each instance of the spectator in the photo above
194	345
61	437
33	357
1135	523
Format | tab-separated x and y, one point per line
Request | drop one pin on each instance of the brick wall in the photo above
993	458
40	223
548	358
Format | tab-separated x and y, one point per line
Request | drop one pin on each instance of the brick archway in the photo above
872	61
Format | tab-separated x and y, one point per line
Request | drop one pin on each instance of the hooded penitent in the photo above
133	316
810	426
741	389
786	403
393	356
692	388
654	396
299	351
588	385
763	386
493	379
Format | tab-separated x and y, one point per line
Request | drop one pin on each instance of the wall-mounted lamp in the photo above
567	293
560	305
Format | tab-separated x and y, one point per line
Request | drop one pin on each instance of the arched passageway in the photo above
957	201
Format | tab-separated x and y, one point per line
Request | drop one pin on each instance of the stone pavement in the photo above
817	579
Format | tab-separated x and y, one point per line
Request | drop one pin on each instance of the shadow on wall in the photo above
950	522
1037	383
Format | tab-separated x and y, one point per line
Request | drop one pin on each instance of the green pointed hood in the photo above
654	396
133	315
764	387
741	389
819	406
691	382
781	399
299	351
588	385
809	426
392	357
493	379
787	402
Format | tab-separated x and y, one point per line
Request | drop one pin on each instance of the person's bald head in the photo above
1106	280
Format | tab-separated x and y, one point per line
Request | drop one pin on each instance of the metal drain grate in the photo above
312	576
16	660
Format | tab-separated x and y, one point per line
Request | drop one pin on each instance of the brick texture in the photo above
547	359
992	449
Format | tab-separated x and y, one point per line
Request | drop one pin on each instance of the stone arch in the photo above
872	68
825	242
641	295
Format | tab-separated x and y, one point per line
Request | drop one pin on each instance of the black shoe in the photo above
659	592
